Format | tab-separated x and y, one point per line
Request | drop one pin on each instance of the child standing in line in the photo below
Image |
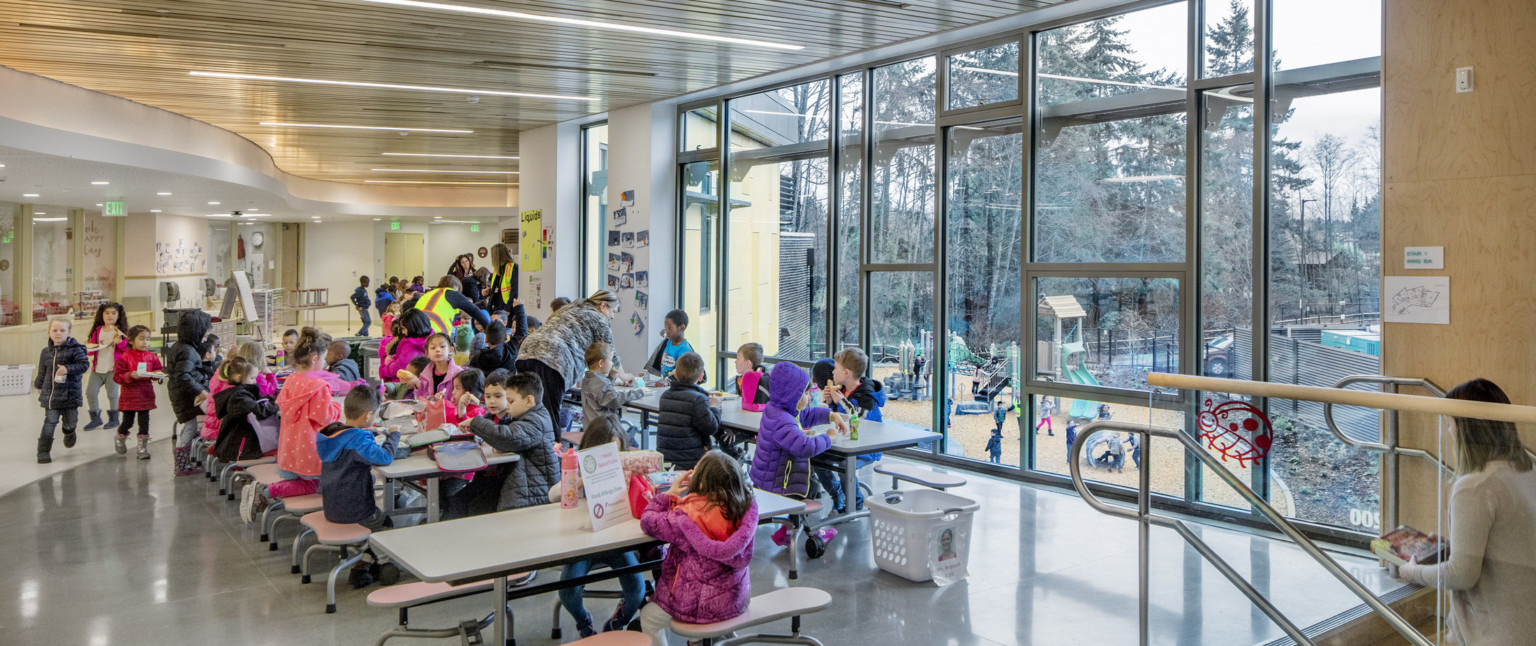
361	302
672	346
109	335
189	367
60	367
337	363
599	399
136	371
437	379
708	517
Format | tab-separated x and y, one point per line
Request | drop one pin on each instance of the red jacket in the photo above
138	393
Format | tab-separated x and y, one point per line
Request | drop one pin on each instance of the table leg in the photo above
389	496
850	484
499	611
433	512
645	430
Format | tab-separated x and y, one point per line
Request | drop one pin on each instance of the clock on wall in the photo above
256	239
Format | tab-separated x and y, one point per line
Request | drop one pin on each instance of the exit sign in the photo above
394	226
474	228
114	209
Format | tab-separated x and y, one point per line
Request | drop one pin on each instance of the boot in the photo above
69	439
44	446
121	444
112	420
95	421
143	447
186	465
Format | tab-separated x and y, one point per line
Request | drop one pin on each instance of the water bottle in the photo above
853	425
569	471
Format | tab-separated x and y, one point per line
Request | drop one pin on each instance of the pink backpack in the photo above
749	390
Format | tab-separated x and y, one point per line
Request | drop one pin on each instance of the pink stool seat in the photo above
782	603
265	473
303	504
615	638
329	533
407	595
812	506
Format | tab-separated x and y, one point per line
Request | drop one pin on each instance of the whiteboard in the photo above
247	301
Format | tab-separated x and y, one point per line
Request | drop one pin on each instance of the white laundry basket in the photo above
903	527
16	380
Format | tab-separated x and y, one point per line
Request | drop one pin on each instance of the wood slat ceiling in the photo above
142	50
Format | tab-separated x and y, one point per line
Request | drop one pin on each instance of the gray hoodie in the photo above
600	399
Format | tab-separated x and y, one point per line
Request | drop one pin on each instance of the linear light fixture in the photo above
429	170
39	213
29	195
154	210
219	215
163	194
401	181
100	183
325	125
455	222
256	215
213	204
594	24
49	219
390	86
454	156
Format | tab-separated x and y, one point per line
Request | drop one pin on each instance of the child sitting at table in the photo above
516	421
782	464
290	341
234	405
348	454
595	434
405	388
689	418
852	393
468	391
708	517
599	399
337	362
437	378
749	359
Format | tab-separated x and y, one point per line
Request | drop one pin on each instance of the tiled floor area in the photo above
106	551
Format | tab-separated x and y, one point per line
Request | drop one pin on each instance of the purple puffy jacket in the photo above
782	464
702	580
409	349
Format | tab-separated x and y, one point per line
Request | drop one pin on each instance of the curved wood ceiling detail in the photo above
143	50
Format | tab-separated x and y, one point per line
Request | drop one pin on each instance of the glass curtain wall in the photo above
594	206
1029	225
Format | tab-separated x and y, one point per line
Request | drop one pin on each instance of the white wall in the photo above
336	254
446	241
641	159
551	182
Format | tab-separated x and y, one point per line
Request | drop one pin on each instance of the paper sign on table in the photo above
602	478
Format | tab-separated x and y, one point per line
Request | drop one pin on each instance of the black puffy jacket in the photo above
685	425
71	356
237	440
187	374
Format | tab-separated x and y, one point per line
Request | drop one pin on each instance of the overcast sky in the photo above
1352	30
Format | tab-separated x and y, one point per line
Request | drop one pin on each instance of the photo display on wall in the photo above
622	272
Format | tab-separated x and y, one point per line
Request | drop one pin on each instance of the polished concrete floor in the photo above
102	551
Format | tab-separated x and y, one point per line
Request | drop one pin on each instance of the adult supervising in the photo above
503	288
556	352
440	303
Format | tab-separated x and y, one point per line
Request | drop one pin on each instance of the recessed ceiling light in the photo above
390	86
577	22
219	215
29	194
323	125
49	219
98	205
258	215
100	183
454	156
162	194
213	204
377	219
39	213
428	170
154	210
401	181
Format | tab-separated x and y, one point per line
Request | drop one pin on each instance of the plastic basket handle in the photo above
952	513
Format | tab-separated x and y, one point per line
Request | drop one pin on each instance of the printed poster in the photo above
947	546
531	240
602	478
1417	299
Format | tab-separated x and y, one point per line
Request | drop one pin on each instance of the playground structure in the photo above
1068	355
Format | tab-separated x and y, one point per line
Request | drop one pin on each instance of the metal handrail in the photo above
1145	519
1389	384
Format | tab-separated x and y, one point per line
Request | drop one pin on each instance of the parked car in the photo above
1218	356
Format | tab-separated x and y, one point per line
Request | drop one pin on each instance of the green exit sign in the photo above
114	209
474	228
394	226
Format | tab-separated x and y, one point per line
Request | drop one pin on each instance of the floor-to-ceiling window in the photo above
594	207
1021	228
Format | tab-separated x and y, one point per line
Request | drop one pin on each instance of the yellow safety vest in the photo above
505	287
435	304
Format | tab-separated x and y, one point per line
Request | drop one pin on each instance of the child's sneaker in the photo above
781	537
121	444
253	501
826	534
